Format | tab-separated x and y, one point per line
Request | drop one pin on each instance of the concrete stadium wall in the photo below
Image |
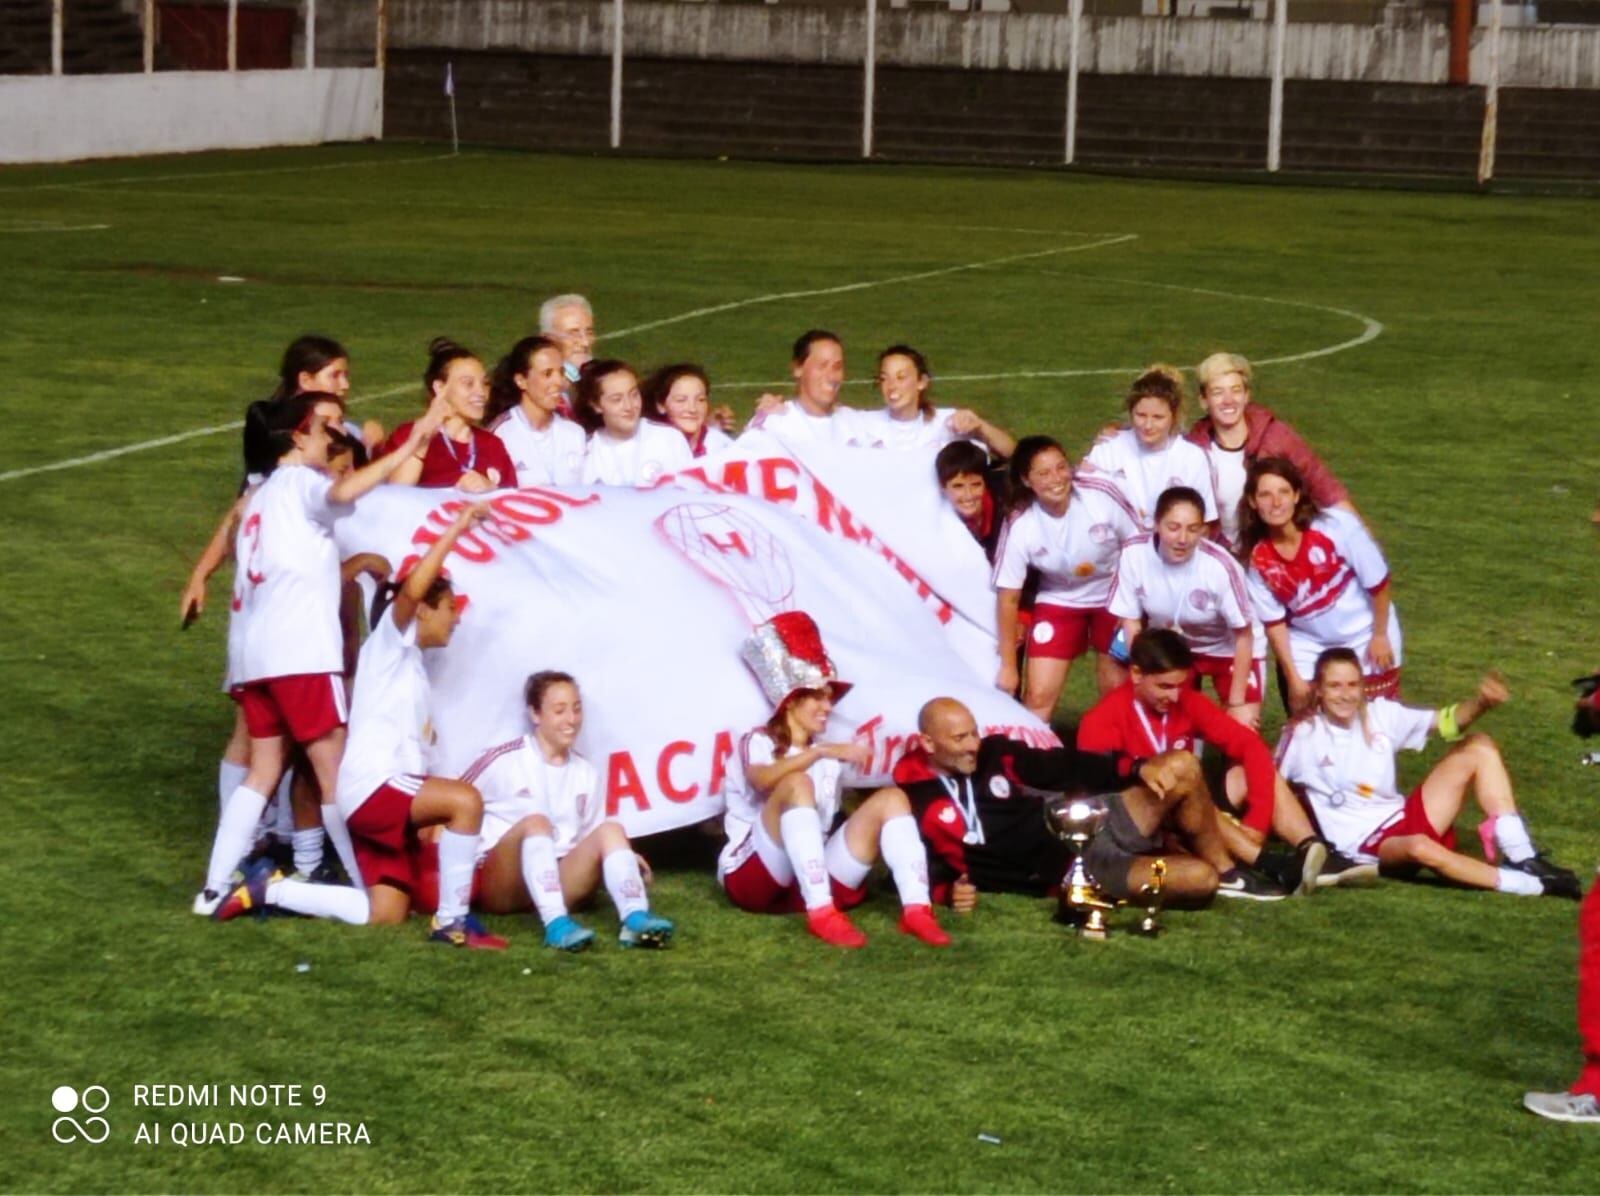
1538	57
47	118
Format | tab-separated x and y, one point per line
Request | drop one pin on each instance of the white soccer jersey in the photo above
552	457
916	433
286	580
652	450
1228	473
516	781
1142	474
1325	593
844	425
744	801
390	731
1076	555
715	440
1349	777
1205	599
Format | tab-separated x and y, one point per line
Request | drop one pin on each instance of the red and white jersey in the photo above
1141	474
551	457
390	728
744	801
916	433
286	580
1205	599
516	781
1325	593
1076	554
653	449
843	425
1349	774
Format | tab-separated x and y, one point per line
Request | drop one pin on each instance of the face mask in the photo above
570	370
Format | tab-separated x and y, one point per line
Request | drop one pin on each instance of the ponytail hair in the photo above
269	428
1019	496
504	393
442	352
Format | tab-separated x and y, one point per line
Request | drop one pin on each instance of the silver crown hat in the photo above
786	655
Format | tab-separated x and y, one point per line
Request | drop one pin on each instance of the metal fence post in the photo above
1491	101
616	74
55	36
1070	151
233	35
1280	27
869	79
311	34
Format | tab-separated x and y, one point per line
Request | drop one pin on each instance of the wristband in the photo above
1449	727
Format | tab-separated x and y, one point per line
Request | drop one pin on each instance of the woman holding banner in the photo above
908	418
624	448
526	395
464	455
783	801
680	396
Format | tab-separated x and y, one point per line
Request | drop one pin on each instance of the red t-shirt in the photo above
446	459
1121	725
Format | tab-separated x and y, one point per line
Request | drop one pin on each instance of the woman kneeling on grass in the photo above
384	794
1342	754
549	842
782	803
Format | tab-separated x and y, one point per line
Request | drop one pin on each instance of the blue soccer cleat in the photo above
566	933
642	928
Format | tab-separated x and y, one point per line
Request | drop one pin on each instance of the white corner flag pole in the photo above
450	90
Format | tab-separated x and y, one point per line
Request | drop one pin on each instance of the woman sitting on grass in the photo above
1342	754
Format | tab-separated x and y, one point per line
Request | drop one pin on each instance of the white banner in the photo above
646	596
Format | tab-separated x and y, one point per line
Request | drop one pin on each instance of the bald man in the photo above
979	800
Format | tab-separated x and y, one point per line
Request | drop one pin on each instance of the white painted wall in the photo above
1534	57
47	118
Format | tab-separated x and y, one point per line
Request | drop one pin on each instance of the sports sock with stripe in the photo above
801	830
624	881
542	875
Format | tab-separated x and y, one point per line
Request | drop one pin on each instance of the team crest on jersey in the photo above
1183	744
1202	599
1102	533
650	472
1000	787
948	814
1317	555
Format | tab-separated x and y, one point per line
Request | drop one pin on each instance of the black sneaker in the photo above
1540	867
1246	884
1563	884
1346	873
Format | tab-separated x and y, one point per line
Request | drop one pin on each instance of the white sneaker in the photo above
206	902
1563	1106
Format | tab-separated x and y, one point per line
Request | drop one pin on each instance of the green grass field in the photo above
1357	1041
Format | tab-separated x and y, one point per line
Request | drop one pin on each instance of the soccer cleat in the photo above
919	922
1563	1106
250	893
566	933
1346	873
206	902
465	932
1298	873
642	928
1246	884
1562	884
1539	866
834	927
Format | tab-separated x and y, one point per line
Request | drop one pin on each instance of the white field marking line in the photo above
193	433
845	288
55	228
176	438
223	174
467	205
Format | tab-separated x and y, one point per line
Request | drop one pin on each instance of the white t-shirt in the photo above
1349	778
1142	474
1205	599
1076	555
844	425
390	731
1228	472
916	433
1325	593
286	580
517	781
744	801
552	457
715	440
652	450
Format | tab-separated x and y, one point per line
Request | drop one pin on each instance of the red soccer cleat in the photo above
918	921
833	927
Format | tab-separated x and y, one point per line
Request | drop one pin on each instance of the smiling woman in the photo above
463	455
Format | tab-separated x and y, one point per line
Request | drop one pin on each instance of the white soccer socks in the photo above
543	877
339	836
907	858
320	901
236	834
624	882
801	831
457	855
1510	834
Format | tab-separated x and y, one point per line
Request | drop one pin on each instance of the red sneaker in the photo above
918	920
833	927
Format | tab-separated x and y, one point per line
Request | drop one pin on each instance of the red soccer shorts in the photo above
381	831
305	706
1413	820
1067	632
753	889
1220	670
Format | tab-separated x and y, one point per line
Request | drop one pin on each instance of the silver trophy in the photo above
1075	821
